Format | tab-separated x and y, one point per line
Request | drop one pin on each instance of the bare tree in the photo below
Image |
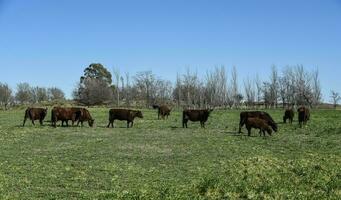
55	94
316	88
274	86
128	89
5	95
39	94
144	82
258	84
117	86
335	96
93	92
234	87
249	92
23	94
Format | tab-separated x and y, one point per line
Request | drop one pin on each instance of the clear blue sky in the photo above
49	43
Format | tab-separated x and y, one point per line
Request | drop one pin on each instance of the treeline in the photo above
293	85
218	88
28	95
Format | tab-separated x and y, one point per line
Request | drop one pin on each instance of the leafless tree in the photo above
93	92
144	82
116	73
234	87
335	96
249	92
274	86
5	95
55	94
23	94
316	88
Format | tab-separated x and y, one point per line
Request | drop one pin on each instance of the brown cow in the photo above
289	114
83	115
123	115
64	115
35	114
163	111
194	116
257	114
258	123
303	115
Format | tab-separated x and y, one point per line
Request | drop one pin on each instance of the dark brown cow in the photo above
195	116
123	115
258	123
64	115
35	114
257	114
288	115
303	115
83	115
163	111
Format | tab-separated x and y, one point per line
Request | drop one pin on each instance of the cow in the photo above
123	115
257	114
258	123
64	115
35	114
83	115
194	116
288	115
163	111
303	115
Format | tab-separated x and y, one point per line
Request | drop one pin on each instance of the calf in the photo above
35	114
194	116
303	115
289	114
163	111
123	115
258	123
257	114
64	115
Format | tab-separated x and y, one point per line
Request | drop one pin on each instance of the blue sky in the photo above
49	43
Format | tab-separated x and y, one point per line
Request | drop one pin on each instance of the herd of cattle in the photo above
252	119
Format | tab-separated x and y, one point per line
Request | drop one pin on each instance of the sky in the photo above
49	43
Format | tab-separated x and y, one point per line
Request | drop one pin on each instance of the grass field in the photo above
159	160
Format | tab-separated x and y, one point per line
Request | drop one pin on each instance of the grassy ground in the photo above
159	160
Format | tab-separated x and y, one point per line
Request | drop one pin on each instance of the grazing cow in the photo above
289	114
123	115
64	115
83	115
35	114
303	115
257	114
258	123
163	111
194	116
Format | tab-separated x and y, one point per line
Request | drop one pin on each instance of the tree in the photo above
249	92
55	94
99	72
93	92
23	94
335	97
117	87
5	95
316	88
95	86
144	82
39	94
234	87
273	92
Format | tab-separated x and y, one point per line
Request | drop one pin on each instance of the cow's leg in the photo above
109	124
132	124
249	131
24	121
33	122
41	122
128	124
241	124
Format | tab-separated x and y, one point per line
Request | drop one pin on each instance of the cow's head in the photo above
91	122
138	114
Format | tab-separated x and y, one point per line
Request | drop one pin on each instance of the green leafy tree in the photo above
97	71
